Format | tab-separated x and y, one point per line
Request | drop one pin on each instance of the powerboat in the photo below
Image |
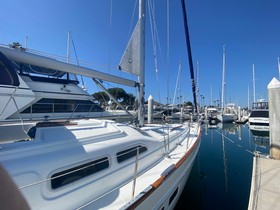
260	113
228	114
30	92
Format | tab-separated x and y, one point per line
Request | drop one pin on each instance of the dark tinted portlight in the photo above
76	173
129	153
173	196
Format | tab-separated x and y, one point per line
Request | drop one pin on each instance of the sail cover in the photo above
49	63
130	61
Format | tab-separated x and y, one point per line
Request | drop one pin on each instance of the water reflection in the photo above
224	157
229	128
260	135
223	167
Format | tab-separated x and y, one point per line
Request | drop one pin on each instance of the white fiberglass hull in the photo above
49	170
259	121
167	194
14	131
226	117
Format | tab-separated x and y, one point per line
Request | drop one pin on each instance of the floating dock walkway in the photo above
265	184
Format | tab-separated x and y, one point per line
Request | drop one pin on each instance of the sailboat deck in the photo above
121	198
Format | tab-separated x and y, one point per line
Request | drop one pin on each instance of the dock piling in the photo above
274	117
150	109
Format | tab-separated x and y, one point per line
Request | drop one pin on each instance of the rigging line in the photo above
156	34
197	81
110	158
167	53
153	33
110	33
102	95
17	109
159	46
63	58
157	40
130	29
76	55
131	19
108	85
177	82
232	141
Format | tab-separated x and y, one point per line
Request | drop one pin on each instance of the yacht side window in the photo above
129	153
7	72
78	172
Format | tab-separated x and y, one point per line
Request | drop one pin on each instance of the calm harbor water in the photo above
221	174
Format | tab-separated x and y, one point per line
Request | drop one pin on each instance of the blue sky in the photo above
101	29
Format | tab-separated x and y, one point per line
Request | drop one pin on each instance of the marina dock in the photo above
265	184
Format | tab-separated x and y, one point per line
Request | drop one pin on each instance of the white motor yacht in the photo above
31	91
259	114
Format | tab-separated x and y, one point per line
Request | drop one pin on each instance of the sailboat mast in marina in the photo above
254	84
223	78
189	51
227	114
133	59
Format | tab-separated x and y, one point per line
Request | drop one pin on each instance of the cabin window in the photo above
7	72
48	105
76	173
129	153
173	196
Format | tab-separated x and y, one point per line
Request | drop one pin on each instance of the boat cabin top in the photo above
260	105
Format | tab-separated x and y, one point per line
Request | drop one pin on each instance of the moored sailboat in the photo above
101	164
227	113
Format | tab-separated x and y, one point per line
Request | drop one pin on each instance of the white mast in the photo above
26	40
278	67
223	78
68	47
197	82
141	77
211	95
133	59
254	84
248	97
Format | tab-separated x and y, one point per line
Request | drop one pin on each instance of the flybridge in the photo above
49	63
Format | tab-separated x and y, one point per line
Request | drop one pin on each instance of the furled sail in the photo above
130	61
49	63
